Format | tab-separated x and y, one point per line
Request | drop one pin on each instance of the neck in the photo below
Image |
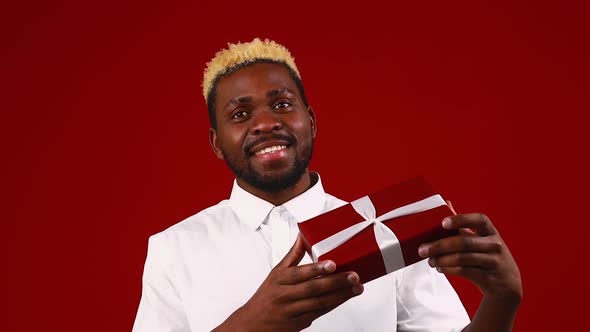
277	198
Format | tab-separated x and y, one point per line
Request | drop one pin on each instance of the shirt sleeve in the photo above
160	307
426	301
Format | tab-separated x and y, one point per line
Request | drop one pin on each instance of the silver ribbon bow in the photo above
386	239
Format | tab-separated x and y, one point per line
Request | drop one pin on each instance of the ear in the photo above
314	127
215	143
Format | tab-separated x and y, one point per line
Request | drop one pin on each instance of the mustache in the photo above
282	137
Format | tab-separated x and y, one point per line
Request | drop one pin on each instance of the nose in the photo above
266	121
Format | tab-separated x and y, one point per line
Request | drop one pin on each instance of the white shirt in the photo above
199	271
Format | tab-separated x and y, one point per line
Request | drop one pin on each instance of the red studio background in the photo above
104	135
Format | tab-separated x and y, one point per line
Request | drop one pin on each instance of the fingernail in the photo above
446	223
423	251
431	262
329	266
357	289
353	278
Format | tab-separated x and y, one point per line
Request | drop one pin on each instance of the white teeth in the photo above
270	149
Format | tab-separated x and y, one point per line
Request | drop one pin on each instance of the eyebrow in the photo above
276	92
239	100
269	94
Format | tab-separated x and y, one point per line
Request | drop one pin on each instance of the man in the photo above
241	266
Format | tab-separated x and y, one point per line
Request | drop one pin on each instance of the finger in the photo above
478	276
298	274
325	302
461	243
450	205
470	259
295	254
325	284
480	222
467	231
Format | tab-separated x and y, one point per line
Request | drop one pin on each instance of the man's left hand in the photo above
479	254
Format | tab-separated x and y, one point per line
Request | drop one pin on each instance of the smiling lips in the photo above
270	149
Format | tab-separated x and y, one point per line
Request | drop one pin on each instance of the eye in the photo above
239	115
282	104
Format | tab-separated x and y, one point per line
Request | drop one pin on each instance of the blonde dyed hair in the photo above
242	54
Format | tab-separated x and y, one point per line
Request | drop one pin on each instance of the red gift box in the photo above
378	233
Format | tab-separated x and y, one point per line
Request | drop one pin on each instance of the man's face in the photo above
264	131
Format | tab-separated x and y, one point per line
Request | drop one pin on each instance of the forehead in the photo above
254	80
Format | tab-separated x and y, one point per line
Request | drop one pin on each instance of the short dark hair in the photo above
212	95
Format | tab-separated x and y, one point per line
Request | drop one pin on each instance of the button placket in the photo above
280	235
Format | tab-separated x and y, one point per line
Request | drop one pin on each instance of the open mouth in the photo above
270	149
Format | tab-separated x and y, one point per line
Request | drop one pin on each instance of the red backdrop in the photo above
104	137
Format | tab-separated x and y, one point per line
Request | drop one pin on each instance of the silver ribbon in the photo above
386	239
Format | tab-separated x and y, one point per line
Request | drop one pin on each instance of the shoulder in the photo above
200	225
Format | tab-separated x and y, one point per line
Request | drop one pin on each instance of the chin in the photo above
276	180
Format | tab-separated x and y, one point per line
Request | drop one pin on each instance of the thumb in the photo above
295	255
463	231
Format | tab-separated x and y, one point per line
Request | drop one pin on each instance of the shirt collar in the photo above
253	210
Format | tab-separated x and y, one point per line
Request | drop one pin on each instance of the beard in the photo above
272	181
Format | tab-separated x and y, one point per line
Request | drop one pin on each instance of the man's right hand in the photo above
292	296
